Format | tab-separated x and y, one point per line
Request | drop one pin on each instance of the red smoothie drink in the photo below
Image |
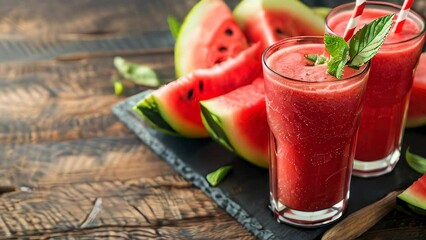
388	88
313	118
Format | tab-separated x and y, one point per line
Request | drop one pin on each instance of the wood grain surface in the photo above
68	167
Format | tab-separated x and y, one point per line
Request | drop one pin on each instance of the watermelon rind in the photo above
148	109
414	198
221	122
188	31
409	208
214	126
246	9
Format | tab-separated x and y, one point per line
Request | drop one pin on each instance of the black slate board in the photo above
245	193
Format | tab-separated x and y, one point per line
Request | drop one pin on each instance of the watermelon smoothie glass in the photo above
313	119
388	88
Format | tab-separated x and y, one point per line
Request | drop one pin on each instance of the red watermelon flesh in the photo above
415	196
209	35
417	109
175	107
237	120
268	21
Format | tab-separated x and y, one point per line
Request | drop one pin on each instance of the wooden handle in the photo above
360	221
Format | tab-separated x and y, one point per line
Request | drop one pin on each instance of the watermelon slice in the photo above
209	35
175	107
268	21
417	110
414	197
237	120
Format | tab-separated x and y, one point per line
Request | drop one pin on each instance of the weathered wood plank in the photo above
167	204
224	229
92	160
50	47
30	30
64	100
87	17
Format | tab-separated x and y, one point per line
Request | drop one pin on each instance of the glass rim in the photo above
385	4
296	39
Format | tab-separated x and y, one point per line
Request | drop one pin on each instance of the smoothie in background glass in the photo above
313	118
388	88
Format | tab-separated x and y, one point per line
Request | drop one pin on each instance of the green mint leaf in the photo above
338	49
139	74
118	87
416	162
316	58
174	26
214	178
368	40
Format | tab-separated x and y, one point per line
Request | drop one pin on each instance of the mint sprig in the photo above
367	41
338	49
361	48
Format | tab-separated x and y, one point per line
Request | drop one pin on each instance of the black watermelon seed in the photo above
228	32
279	31
223	49
201	86
190	94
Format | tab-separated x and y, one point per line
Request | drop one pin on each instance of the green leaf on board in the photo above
139	74
214	178
416	162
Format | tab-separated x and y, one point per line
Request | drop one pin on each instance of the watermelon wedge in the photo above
268	21
209	35
237	120
414	197
416	115
175	108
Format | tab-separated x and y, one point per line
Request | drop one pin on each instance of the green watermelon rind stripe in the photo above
148	109
405	202
188	31
214	126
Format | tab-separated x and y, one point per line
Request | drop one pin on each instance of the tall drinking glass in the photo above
388	89
313	119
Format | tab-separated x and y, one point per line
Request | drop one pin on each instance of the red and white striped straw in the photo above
402	15
353	22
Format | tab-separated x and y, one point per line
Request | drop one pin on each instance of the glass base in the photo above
284	214
376	168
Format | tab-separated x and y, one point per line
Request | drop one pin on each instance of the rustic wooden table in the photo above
68	167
